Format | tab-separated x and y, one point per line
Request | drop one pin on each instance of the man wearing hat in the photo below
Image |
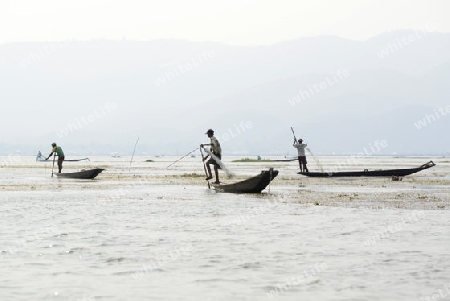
59	152
300	146
217	152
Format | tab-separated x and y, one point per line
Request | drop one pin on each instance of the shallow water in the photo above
152	233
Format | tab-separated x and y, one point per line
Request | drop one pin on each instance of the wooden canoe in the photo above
83	174
370	173
41	158
254	184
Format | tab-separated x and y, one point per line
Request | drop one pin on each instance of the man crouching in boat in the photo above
217	152
59	152
300	146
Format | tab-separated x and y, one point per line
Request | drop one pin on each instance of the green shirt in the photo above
58	151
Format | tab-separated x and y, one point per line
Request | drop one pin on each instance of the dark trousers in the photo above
60	162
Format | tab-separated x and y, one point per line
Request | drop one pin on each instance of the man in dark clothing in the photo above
217	152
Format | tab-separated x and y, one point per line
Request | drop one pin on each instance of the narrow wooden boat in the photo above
65	160
286	159
42	159
83	174
370	173
254	184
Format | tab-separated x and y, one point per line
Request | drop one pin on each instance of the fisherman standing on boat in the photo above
59	152
300	146
216	152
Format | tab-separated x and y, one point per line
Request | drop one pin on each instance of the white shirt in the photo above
215	146
300	148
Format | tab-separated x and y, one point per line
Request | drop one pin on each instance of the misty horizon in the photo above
341	86
97	123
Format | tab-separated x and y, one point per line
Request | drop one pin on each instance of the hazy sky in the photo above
242	22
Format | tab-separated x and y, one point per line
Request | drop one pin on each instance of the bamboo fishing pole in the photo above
182	157
131	161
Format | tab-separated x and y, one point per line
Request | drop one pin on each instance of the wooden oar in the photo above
54	156
295	138
204	167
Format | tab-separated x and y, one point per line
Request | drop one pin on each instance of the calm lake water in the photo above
152	233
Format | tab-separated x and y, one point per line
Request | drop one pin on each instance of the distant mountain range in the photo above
340	95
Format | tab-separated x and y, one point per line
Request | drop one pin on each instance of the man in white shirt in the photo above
300	146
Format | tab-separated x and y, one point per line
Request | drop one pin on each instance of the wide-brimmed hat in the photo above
210	131
53	144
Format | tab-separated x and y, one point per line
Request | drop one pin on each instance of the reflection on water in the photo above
160	234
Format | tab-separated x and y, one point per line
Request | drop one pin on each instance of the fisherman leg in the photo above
304	164
59	165
216	171
208	168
